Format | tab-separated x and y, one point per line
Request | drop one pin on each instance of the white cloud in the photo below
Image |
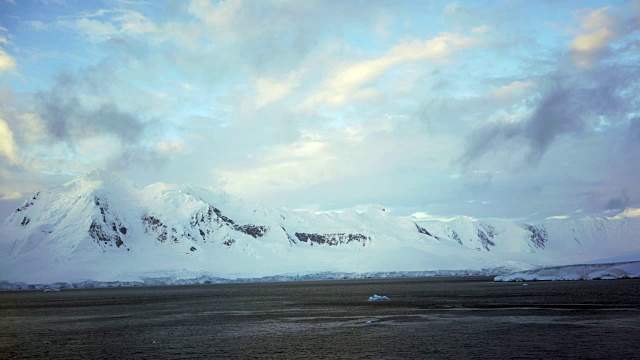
36	25
453	8
94	30
101	25
7	62
480	29
593	41
597	31
515	88
171	147
292	166
10	195
221	15
347	83
597	19
8	146
273	89
557	217
424	216
133	22
31	128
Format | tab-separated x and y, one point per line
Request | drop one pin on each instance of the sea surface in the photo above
427	318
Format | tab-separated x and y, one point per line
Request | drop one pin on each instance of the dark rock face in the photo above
332	239
222	217
254	230
456	237
486	233
25	221
291	240
105	232
203	221
28	203
537	235
153	224
424	231
104	237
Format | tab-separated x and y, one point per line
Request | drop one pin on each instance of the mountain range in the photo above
101	228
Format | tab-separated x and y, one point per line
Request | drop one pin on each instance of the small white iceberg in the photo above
378	297
51	290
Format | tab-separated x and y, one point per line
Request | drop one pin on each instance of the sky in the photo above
504	109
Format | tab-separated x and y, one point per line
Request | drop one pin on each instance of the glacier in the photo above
606	271
101	229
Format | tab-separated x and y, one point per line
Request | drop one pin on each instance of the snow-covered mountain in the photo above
100	227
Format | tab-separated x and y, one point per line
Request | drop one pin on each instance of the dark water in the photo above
438	318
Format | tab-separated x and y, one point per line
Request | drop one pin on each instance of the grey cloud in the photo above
569	105
634	130
67	119
477	181
620	202
138	158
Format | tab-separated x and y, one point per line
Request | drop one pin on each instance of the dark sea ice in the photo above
435	318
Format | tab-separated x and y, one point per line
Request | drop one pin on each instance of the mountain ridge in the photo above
101	227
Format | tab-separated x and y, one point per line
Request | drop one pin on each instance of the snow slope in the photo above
99	227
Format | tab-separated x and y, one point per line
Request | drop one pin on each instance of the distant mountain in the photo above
103	228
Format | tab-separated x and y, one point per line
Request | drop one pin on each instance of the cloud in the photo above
101	25
634	130
515	88
347	83
292	166
68	118
569	104
480	29
598	29
267	36
137	157
424	216
31	128
8	147
171	147
4	39
11	195
618	203
7	62
270	89
340	163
